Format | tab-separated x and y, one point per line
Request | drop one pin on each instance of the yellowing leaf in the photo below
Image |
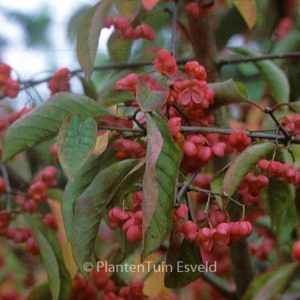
101	143
248	10
62	237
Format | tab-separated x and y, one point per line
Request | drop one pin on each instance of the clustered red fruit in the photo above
254	184
45	179
128	31
198	149
174	124
21	235
5	219
8	86
165	63
101	282
223	233
129	221
129	149
283	28
60	81
180	212
239	140
197	10
283	171
291	124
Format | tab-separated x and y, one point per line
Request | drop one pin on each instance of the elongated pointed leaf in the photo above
119	49
183	257
228	92
243	164
44	122
216	187
278	198
76	141
88	35
248	10
159	184
271	284
274	76
82	180
58	276
90	207
147	99
128	7
116	97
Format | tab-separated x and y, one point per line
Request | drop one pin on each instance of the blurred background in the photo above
38	37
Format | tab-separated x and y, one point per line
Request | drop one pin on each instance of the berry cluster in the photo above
254	184
8	86
129	149
23	235
60	81
223	233
101	283
129	221
128	31
45	179
283	171
165	63
291	124
239	140
296	251
174	124
199	149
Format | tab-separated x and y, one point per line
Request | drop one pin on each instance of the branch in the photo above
238	60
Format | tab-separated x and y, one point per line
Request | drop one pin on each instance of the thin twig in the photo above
244	59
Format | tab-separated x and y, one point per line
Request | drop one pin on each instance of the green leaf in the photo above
216	186
159	184
88	88
90	207
272	283
182	254
278	198
147	99
291	43
128	7
58	276
248	10
88	35
243	164
44	122
229	92
119	49
82	180
40	292
274	76
115	97
76	141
